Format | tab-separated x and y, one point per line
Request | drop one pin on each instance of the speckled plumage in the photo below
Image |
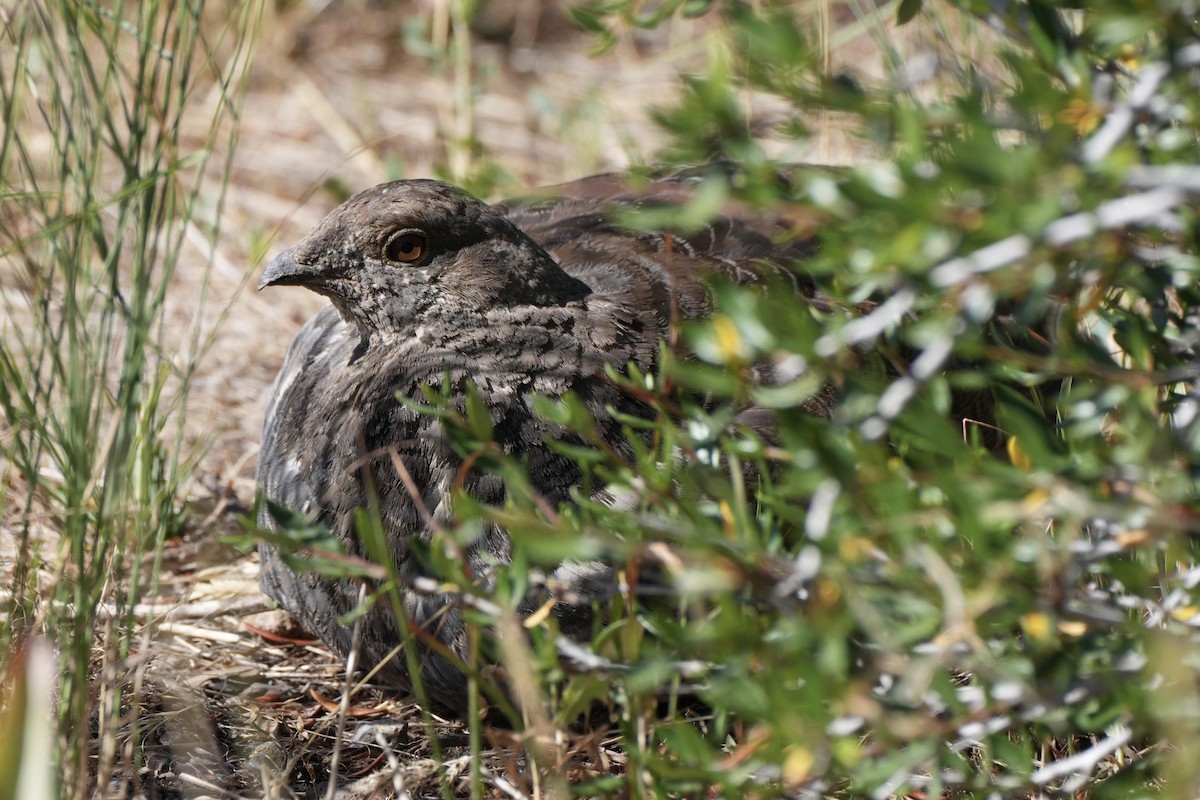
523	299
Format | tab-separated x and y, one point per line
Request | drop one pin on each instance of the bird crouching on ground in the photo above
430	286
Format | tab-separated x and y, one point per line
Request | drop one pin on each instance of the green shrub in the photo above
900	604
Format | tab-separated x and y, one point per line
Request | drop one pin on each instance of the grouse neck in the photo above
511	269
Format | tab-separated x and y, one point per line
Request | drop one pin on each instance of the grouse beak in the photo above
285	270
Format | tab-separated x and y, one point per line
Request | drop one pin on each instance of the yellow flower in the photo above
1082	115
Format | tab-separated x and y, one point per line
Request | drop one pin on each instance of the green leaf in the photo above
907	10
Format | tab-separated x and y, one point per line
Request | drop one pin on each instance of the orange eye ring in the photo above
405	248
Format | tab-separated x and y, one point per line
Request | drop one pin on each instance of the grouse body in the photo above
430	286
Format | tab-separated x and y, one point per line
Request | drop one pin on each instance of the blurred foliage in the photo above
442	39
889	601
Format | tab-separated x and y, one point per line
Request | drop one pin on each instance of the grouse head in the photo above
404	252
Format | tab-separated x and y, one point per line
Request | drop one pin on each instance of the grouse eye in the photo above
405	248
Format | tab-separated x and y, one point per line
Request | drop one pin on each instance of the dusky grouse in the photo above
427	285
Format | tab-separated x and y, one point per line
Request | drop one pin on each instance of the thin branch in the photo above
1085	762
